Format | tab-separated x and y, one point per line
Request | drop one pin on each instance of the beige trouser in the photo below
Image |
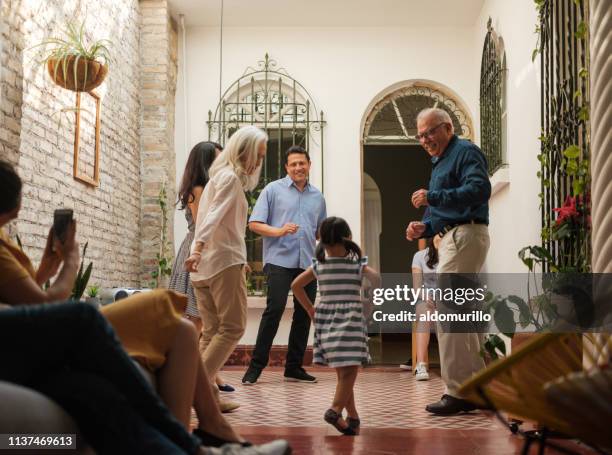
222	303
462	250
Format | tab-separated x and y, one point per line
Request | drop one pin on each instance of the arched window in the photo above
492	100
271	99
393	119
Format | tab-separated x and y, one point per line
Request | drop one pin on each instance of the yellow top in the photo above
145	323
14	264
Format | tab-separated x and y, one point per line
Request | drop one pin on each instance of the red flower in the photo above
568	211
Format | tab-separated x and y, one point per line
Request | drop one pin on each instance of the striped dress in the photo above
340	338
179	278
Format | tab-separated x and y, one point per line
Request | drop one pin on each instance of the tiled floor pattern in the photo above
391	404
385	399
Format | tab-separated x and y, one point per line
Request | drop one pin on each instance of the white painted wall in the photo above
514	211
343	68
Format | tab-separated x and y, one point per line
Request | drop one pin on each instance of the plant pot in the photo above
89	73
95	301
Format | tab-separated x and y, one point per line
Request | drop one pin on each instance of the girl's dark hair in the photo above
200	159
10	187
335	230
432	253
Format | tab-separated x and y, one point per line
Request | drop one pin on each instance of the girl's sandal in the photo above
332	418
354	424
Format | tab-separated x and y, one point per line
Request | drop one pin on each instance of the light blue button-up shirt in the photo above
282	202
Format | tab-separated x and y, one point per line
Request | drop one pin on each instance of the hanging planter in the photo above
77	73
74	64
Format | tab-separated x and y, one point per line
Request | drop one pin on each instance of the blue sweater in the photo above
459	187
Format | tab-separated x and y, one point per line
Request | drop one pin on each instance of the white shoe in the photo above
406	365
278	447
420	373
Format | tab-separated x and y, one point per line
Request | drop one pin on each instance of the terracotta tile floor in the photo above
391	404
385	399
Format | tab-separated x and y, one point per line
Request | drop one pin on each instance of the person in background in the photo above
287	215
218	253
458	202
80	363
340	323
424	264
195	178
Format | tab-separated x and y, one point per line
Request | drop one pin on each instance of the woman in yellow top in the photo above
149	325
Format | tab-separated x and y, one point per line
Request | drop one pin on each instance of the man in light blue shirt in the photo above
287	215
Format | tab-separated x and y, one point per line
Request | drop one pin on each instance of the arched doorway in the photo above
394	163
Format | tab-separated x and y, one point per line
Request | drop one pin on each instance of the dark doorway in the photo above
398	170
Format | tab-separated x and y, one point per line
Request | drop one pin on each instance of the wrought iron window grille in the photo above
492	100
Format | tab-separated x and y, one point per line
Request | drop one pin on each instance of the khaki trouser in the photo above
462	250
222	303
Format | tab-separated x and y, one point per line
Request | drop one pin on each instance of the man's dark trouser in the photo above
279	283
71	354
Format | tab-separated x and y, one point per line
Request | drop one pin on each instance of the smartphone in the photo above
61	221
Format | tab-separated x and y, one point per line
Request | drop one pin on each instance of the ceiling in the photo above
328	13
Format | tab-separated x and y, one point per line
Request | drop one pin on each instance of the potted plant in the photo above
74	64
82	278
93	293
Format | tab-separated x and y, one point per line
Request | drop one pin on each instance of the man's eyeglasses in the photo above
429	133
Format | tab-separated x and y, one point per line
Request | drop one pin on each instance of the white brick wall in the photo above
158	41
30	137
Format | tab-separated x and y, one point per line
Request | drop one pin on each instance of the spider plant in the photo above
66	53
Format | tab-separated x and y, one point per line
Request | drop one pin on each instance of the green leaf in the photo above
578	186
571	167
534	54
524	311
504	318
583	113
572	152
562	232
581	30
540	253
583	73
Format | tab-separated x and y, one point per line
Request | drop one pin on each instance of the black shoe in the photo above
299	375
251	376
225	388
210	440
449	405
332	418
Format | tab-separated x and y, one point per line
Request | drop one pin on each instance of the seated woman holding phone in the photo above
149	325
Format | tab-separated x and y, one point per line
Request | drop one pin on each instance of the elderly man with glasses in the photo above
458	210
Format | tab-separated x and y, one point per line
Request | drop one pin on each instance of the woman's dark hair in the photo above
200	159
335	230
432	253
10	188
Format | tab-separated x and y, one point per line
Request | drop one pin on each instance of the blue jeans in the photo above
70	353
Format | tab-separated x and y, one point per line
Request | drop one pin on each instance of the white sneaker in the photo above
278	447
420	373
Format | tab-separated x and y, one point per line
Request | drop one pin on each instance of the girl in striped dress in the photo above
340	325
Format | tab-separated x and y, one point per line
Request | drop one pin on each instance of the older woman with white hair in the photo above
218	252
